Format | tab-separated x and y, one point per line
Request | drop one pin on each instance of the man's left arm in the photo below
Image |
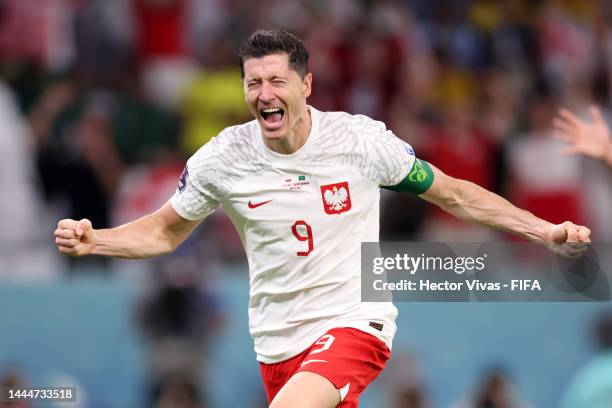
472	203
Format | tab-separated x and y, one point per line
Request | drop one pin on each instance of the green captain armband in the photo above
418	180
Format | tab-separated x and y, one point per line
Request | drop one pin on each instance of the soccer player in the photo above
302	189
588	138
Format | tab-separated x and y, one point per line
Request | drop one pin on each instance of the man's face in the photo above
276	94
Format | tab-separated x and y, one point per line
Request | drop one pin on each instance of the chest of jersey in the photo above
293	211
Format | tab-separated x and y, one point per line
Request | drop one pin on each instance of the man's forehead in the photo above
271	64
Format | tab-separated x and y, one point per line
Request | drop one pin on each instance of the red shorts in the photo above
349	358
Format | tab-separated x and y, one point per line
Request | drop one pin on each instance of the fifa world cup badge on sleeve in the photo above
183	180
336	197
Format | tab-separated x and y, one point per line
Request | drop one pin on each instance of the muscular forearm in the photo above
154	234
142	238
474	204
471	203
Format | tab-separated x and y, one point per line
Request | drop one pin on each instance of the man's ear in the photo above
307	85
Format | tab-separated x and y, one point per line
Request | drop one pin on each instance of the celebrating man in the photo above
302	189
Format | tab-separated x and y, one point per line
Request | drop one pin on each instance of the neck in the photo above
295	139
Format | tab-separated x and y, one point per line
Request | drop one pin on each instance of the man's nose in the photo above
267	94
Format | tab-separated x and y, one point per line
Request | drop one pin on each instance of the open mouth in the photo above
272	116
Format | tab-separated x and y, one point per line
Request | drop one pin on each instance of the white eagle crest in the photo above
336	199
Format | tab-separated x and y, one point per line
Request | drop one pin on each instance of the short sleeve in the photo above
198	193
388	159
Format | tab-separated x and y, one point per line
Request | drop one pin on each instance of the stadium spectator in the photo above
554	190
164	49
592	384
591	139
213	98
77	159
494	391
177	393
178	317
14	379
21	224
404	383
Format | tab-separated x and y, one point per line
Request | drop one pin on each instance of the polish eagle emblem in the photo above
336	198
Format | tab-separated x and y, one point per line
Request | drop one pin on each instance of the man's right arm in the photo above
154	234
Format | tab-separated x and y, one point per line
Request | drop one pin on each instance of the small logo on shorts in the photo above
312	361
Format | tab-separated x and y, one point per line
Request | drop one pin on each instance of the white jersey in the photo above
301	218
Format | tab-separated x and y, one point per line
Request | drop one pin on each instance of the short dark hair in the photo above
268	42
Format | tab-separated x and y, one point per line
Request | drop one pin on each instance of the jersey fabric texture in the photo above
348	358
301	218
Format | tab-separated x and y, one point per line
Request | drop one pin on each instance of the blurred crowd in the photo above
102	102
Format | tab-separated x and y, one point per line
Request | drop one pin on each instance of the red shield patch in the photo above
336	198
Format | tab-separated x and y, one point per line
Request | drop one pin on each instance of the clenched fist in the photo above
569	240
74	238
